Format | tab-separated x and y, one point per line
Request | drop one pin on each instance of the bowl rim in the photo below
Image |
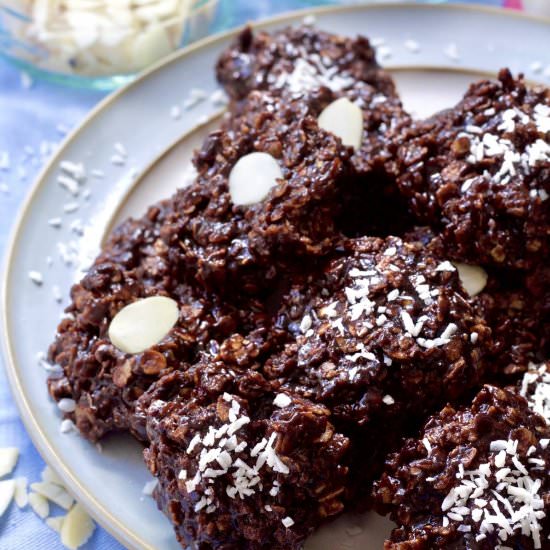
107	82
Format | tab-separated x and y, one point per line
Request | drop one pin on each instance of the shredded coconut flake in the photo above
535	387
287	522
282	400
514	507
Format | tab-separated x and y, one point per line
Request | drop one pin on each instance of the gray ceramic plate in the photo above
455	46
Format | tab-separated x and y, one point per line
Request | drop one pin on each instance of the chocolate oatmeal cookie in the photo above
255	472
299	59
387	337
226	244
480	174
316	71
104	381
475	478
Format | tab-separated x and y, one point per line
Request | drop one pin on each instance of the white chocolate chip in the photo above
7	489
77	527
143	323
39	504
344	119
252	178
472	277
8	460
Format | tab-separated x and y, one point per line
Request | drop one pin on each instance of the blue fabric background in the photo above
28	117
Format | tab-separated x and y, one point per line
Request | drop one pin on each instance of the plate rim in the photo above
103	517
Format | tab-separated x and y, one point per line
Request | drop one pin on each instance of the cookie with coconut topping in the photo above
267	192
299	60
388	337
234	472
337	81
101	381
476	477
480	173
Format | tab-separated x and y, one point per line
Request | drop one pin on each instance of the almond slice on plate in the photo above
77	527
472	277
143	323
39	504
8	460
7	489
53	493
344	119
252	177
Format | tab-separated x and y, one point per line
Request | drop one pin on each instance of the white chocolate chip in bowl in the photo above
472	277
143	323
252	177
344	119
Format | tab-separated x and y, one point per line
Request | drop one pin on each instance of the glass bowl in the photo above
98	44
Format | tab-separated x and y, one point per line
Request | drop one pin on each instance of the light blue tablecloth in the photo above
28	118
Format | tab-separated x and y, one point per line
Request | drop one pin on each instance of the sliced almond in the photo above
252	177
472	277
39	504
53	493
55	523
77	527
8	460
344	119
51	477
144	323
7	489
21	496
